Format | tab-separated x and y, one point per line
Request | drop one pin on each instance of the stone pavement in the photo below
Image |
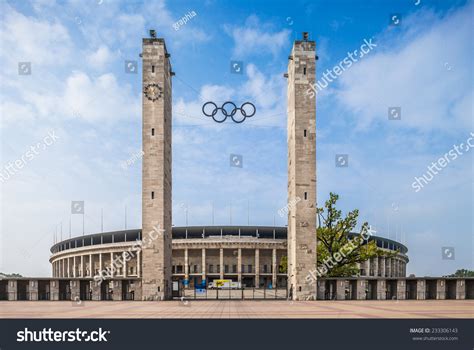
239	309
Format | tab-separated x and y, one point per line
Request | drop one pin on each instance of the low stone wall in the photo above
419	288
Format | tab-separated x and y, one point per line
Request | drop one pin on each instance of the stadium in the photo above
251	255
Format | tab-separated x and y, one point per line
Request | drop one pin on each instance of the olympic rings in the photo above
228	109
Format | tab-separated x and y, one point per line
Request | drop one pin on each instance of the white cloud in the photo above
99	58
252	39
28	39
102	98
412	71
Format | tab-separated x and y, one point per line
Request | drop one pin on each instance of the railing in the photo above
329	296
44	296
22	296
106	296
128	296
65	296
86	295
235	294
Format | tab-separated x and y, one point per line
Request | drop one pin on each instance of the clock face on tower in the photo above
152	92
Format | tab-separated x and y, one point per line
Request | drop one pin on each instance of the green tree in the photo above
338	253
4	275
283	264
463	273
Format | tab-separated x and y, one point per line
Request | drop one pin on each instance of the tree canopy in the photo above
337	252
463	273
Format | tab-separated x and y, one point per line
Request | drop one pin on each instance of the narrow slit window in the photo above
306	195
305	133
153	132
153	69
304	70
152	195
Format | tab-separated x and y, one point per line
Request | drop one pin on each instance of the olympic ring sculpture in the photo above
229	109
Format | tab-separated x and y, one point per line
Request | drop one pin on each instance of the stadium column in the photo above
100	264
221	263
239	265
67	266
124	266
156	169
82	266
112	264
74	266
382	266
90	265
139	264
186	267
376	266
301	168
274	268
203	266
257	268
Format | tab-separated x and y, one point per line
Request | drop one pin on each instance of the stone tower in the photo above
156	171
301	169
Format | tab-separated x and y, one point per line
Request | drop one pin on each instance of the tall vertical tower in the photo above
301	169
156	171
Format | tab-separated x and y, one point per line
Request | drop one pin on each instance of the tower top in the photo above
305	41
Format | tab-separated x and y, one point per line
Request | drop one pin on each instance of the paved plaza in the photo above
239	309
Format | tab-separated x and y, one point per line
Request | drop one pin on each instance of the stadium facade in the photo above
251	255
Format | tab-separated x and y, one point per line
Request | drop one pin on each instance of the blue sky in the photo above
79	89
